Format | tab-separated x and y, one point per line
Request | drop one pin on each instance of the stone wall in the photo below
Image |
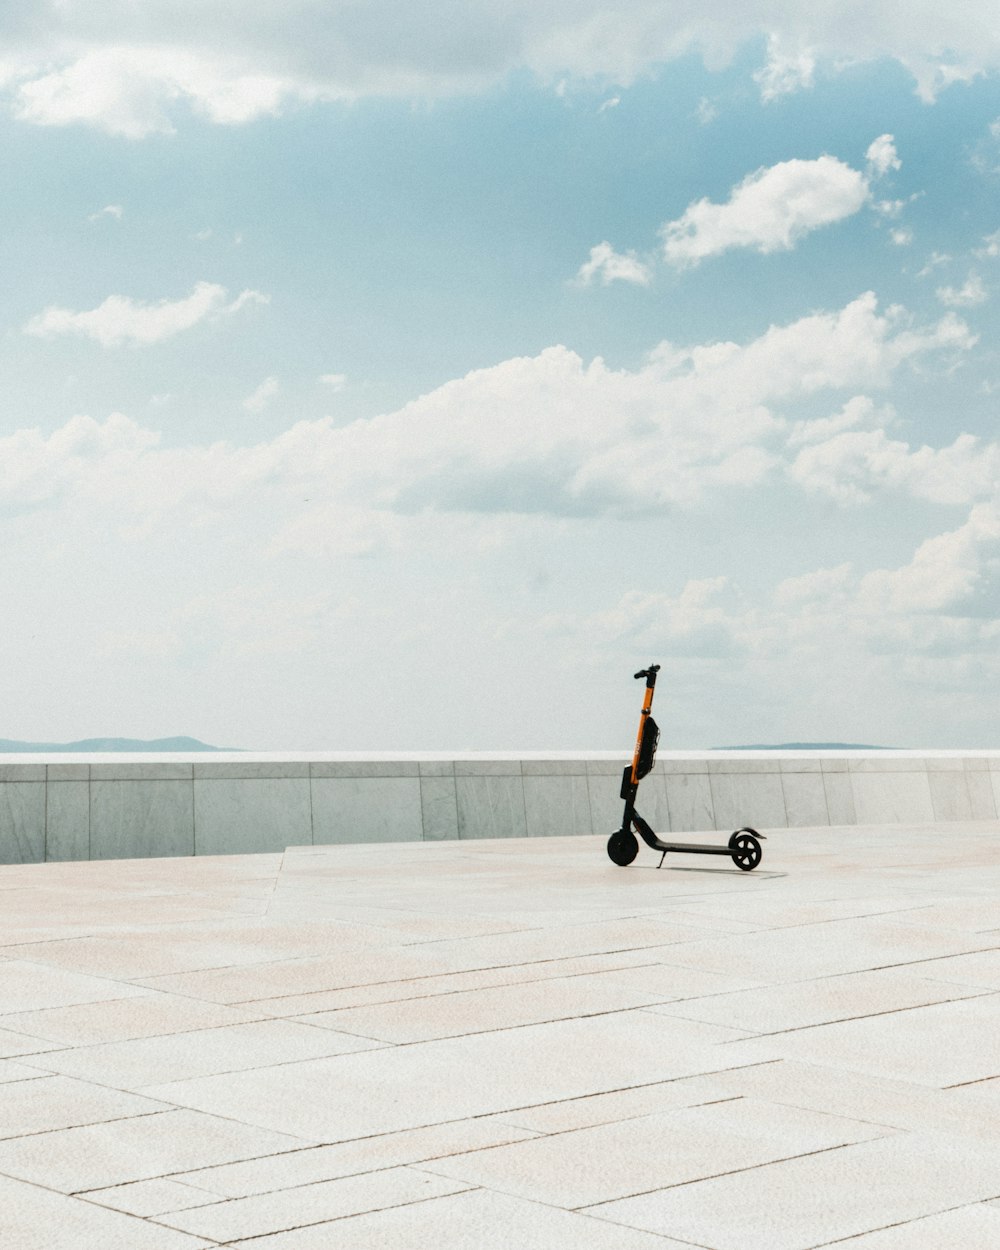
61	807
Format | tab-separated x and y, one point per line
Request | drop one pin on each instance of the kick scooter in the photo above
743	846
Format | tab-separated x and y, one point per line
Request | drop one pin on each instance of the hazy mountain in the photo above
88	746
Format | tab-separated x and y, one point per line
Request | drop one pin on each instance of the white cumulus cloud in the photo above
882	156
790	67
132	69
968	295
769	211
120	319
261	396
611	266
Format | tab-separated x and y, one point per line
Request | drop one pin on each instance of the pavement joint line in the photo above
979	1080
291	1228
66	1128
839	1241
755	1167
144	982
822	1024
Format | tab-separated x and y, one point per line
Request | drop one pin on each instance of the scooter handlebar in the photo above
648	673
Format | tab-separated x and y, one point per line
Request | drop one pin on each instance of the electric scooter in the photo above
743	846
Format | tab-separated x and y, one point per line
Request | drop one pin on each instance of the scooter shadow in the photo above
727	872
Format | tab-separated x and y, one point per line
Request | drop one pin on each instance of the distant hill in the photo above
89	746
805	746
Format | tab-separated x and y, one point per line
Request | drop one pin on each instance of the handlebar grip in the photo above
647	672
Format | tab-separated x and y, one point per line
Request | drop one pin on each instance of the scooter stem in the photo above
647	705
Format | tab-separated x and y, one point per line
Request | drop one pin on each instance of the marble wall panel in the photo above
995	779
364	768
553	768
22	822
800	762
981	795
146	771
886	762
141	819
490	806
753	799
651	801
67	772
67	820
605	802
556	806
366	809
892	797
611	768
666	765
438	808
689	802
487	768
437	768
250	769
251	815
805	799
22	772
756	765
839	798
950	795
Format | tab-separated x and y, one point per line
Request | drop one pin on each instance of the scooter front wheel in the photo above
623	847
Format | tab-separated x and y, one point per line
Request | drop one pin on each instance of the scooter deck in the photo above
689	848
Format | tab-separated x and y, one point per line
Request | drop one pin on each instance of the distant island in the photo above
90	746
805	746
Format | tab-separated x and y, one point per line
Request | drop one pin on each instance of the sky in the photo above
393	377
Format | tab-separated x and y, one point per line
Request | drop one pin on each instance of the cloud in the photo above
901	237
134	70
335	381
946	571
991	246
611	103
968	295
769	211
788	69
128	90
548	435
612	266
855	466
110	210
882	156
258	399
119	319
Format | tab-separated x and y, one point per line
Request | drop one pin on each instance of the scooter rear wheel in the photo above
623	847
746	850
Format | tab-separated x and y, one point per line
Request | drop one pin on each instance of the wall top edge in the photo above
349	757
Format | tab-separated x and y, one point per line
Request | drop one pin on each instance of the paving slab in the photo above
975	1227
319	1203
34	1218
365	1154
427	1083
591	1165
149	1014
475	1220
147	1147
202	1052
817	1198
513	1042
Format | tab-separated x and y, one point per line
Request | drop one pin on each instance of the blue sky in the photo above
383	383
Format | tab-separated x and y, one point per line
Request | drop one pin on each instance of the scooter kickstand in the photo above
662	858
